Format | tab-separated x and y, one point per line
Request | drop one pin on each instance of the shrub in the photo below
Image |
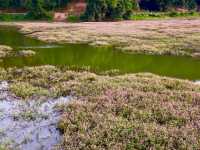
73	18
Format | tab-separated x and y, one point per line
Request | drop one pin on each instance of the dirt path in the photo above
177	37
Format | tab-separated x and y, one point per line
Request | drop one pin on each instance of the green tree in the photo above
98	10
37	10
163	5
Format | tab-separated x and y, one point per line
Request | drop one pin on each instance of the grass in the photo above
9	17
12	17
134	111
73	19
3	147
164	15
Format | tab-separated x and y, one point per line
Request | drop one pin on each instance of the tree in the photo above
163	5
98	10
37	10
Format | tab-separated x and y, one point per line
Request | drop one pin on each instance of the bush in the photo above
98	10
73	18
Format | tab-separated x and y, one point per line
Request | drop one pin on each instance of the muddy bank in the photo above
174	37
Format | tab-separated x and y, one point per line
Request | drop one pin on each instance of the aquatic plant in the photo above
141	111
169	37
5	51
26	53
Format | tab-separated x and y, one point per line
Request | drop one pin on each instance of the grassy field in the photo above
135	111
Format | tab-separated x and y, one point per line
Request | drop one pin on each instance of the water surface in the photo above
29	125
98	59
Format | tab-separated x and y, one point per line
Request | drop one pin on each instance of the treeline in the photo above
98	9
27	4
37	9
123	9
164	5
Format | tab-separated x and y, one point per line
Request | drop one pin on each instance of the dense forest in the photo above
99	9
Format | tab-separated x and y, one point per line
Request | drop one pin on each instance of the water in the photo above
30	124
98	59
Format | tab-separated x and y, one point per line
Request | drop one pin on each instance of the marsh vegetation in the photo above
122	110
99	59
125	110
100	85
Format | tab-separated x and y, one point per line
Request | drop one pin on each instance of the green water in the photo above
98	59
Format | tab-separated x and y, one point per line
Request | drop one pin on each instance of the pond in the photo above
98	59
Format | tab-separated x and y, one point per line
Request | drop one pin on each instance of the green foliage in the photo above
11	17
73	18
48	4
163	5
145	15
3	147
26	90
98	10
37	10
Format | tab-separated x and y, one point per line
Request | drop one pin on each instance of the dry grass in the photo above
177	37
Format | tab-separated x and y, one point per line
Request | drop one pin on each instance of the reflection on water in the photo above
98	59
41	47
